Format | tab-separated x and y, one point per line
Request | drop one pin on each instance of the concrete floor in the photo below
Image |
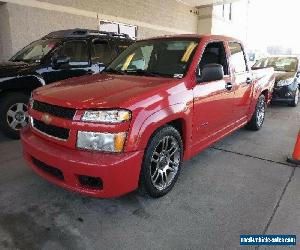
241	185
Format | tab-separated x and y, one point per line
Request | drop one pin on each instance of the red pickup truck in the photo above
160	102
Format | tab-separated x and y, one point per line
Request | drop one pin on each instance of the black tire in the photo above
256	123
146	185
295	102
7	102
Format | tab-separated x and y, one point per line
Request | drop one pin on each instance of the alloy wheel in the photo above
165	162
17	116
296	97
260	114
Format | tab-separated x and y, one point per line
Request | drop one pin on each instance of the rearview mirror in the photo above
59	61
210	72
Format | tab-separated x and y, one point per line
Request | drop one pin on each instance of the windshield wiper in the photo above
114	71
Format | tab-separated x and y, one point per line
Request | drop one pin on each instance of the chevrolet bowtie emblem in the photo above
46	118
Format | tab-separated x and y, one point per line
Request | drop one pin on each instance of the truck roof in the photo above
195	36
71	33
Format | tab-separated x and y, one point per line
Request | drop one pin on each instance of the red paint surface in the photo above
207	112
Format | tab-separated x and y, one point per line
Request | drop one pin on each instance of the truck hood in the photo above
103	91
12	69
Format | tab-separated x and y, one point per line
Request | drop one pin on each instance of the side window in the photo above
102	52
237	58
214	53
77	51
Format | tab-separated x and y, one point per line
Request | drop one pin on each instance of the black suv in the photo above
57	56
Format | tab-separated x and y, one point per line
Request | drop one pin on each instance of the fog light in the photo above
101	141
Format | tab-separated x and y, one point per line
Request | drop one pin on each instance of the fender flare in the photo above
141	135
27	82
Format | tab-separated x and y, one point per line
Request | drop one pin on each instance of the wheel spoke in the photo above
165	143
155	177
163	178
173	150
14	124
20	107
154	160
11	113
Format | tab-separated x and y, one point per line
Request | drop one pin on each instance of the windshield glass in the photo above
165	58
287	64
35	51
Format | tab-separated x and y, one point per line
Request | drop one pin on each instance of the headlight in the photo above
109	116
285	82
30	103
101	141
31	120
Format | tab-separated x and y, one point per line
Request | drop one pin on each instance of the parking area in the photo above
241	185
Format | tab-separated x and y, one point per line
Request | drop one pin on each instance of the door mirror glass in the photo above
210	72
101	66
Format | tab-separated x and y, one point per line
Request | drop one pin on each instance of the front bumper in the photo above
283	94
118	173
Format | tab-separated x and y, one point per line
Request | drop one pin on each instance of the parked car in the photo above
59	55
160	102
287	77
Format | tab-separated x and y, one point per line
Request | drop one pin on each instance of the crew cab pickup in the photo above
160	102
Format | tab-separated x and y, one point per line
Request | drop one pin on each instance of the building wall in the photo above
28	20
5	34
205	20
23	21
237	26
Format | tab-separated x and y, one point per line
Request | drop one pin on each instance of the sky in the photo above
274	22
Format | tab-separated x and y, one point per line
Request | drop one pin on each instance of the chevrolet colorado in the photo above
160	102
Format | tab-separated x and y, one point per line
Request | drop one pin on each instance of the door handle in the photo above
228	86
248	80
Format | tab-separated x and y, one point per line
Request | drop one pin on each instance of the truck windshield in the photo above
35	51
286	64
164	58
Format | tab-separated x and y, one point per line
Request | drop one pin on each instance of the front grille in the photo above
67	113
48	169
51	130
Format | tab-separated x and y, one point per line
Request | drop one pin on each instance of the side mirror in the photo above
59	61
102	67
210	72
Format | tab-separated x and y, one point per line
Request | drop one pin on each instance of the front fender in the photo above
29	82
140	135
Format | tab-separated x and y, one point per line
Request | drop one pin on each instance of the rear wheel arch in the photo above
266	94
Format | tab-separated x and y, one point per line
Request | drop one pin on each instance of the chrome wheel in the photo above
17	116
297	97
165	162
261	110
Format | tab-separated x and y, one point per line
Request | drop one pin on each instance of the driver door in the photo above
213	101
79	64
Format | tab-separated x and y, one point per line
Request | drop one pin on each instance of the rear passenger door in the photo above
78	53
242	79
